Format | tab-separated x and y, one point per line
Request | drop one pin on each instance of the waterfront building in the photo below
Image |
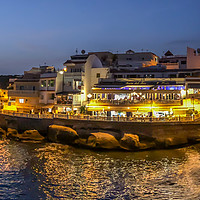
75	82
47	91
24	93
156	97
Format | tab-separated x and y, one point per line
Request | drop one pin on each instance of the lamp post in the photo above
193	102
89	96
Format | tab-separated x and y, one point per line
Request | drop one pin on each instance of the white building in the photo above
75	82
134	60
47	88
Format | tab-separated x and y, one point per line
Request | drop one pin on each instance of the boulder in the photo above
147	145
2	133
31	135
82	142
175	141
85	133
168	142
99	140
62	134
12	134
130	142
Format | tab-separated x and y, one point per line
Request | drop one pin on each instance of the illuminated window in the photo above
51	83
43	83
21	100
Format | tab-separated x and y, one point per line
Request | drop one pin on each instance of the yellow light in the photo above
108	107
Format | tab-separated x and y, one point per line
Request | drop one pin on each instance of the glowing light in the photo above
89	96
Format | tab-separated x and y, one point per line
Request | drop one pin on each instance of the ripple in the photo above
55	171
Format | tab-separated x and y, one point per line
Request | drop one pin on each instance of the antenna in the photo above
76	51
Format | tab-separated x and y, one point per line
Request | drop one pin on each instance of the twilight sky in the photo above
34	32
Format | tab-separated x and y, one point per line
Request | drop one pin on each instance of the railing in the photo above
23	93
132	102
102	118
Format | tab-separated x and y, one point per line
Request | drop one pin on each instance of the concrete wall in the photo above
144	129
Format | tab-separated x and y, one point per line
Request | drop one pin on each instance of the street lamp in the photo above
193	102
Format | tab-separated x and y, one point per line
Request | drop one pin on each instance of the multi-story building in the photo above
130	60
135	60
193	58
25	93
172	61
47	91
75	82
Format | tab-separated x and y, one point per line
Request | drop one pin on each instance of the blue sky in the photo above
34	32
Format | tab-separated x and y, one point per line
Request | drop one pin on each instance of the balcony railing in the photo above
23	93
134	102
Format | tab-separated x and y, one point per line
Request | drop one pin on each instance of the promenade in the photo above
102	118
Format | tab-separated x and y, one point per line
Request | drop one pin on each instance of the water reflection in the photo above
52	171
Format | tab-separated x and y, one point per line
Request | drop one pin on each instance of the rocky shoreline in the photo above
88	137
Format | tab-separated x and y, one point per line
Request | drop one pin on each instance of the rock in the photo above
102	140
170	141
147	145
81	142
2	133
130	142
62	134
31	135
175	141
117	134
12	134
85	133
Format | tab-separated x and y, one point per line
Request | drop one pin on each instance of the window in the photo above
21	87
41	96
43	83
128	58
33	87
69	83
21	100
98	75
183	62
52	96
51	83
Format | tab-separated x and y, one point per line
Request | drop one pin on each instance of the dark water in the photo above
54	171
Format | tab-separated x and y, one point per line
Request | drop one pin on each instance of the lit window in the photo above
21	100
51	83
43	83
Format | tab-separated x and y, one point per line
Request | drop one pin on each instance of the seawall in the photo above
142	129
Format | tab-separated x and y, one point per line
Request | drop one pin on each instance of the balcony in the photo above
134	102
23	93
